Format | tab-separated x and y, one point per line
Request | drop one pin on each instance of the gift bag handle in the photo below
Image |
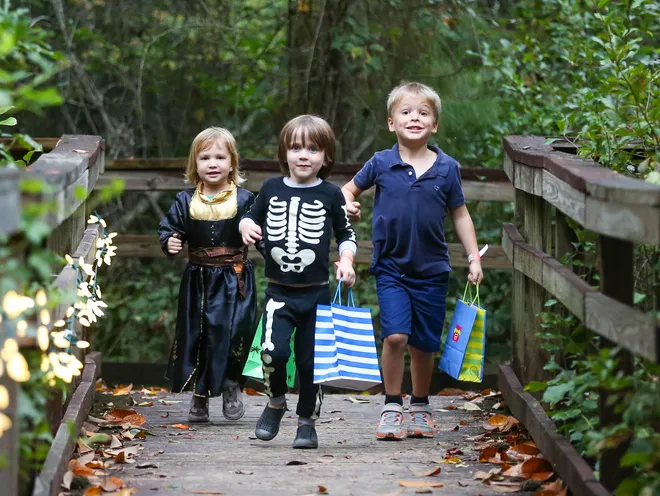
350	299
475	298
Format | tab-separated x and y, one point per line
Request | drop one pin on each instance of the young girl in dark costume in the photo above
217	313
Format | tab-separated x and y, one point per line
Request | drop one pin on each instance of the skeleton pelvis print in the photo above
298	224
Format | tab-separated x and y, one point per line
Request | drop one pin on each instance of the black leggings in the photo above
285	309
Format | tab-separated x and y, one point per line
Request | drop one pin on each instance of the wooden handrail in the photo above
621	324
70	172
601	200
549	187
166	174
147	246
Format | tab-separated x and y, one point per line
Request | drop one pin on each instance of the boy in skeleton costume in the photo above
295	215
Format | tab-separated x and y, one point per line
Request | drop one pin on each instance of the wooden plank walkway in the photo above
224	457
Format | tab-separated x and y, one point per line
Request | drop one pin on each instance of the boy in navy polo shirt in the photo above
416	184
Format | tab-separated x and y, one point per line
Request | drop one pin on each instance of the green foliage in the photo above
582	369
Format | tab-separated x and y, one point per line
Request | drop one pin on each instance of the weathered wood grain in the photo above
623	325
148	246
10	200
349	461
565	198
528	179
567	462
50	478
565	286
492	188
639	223
620	323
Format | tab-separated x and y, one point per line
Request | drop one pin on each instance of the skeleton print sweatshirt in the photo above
297	221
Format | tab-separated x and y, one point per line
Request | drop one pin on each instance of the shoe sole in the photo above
198	420
234	417
265	435
390	436
420	434
305	445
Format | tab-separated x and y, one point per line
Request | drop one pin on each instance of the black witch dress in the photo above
217	313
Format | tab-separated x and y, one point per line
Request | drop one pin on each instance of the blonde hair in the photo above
312	128
205	140
426	92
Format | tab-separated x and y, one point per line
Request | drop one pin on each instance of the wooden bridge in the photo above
548	186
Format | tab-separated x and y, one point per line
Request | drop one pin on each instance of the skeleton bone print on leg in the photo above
301	225
268	344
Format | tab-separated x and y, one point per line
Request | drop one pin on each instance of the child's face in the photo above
305	161
412	119
214	165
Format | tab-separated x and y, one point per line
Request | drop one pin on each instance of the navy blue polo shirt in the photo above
409	212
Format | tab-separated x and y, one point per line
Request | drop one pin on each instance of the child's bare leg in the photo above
421	371
393	361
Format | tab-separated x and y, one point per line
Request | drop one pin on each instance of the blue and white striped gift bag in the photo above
345	353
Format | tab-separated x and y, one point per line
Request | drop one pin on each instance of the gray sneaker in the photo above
390	427
421	421
232	401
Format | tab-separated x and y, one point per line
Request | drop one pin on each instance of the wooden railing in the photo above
70	171
166	174
551	187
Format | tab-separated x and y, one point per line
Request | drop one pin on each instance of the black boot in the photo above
199	409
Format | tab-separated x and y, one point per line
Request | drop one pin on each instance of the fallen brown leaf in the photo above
424	491
428	473
535	466
120	457
419	484
487	453
79	469
120	391
181	426
119	414
135	419
207	492
112	484
450	407
251	392
93	491
526	448
323	490
451	392
86	458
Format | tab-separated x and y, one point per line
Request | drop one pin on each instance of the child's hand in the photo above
476	274
250	232
345	271
354	212
174	244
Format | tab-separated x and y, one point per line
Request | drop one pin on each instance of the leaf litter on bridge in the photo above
114	439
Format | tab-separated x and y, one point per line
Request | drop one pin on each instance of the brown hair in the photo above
205	140
312	128
426	92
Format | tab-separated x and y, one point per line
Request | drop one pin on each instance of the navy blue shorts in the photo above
415	307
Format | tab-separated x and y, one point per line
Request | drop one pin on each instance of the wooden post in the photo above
617	281
533	214
9	442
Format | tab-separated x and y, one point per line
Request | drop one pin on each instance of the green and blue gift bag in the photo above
465	346
253	366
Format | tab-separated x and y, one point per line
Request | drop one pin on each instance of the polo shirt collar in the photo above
395	159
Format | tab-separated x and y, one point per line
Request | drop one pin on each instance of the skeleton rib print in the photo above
300	224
